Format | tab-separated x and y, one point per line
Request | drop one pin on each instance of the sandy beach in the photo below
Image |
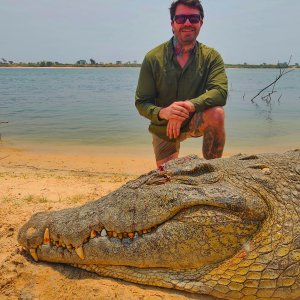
38	179
34	180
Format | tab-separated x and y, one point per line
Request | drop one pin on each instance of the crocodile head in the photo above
220	227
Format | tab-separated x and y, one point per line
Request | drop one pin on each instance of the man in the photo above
182	87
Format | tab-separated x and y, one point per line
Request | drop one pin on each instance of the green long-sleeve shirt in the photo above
162	81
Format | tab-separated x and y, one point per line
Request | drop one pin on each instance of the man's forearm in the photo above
214	97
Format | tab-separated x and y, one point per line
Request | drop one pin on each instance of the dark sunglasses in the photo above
181	19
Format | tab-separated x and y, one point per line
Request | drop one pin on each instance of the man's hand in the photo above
177	110
189	105
176	113
173	128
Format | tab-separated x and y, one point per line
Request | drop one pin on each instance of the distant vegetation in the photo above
79	63
92	63
263	66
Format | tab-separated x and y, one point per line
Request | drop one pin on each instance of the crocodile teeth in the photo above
266	171
33	254
103	232
114	234
131	235
79	252
69	247
93	234
46	236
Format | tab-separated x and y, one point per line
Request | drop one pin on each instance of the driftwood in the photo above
268	96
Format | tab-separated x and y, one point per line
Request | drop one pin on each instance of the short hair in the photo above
190	3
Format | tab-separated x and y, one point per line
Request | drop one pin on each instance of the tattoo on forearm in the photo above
196	124
213	143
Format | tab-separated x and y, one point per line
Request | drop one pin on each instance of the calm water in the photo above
95	106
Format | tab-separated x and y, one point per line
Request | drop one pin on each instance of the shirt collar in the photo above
172	48
178	49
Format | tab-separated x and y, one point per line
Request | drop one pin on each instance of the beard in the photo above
187	36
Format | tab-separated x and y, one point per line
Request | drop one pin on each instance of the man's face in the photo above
186	33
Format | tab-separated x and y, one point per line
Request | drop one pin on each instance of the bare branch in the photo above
278	100
282	72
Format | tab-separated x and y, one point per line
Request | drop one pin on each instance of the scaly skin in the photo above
226	227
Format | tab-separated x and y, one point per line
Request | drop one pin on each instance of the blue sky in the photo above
253	31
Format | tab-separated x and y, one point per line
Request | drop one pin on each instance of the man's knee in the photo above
214	116
166	159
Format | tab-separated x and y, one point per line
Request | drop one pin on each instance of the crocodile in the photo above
228	228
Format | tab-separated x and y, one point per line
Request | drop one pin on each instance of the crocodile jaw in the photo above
210	221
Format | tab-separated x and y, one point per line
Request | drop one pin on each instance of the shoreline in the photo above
139	152
61	167
101	159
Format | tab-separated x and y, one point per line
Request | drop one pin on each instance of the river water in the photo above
95	107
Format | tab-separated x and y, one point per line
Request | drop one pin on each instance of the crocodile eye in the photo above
192	170
196	174
198	170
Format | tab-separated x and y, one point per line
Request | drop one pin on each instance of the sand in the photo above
33	180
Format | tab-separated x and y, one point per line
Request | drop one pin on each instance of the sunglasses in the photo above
181	19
